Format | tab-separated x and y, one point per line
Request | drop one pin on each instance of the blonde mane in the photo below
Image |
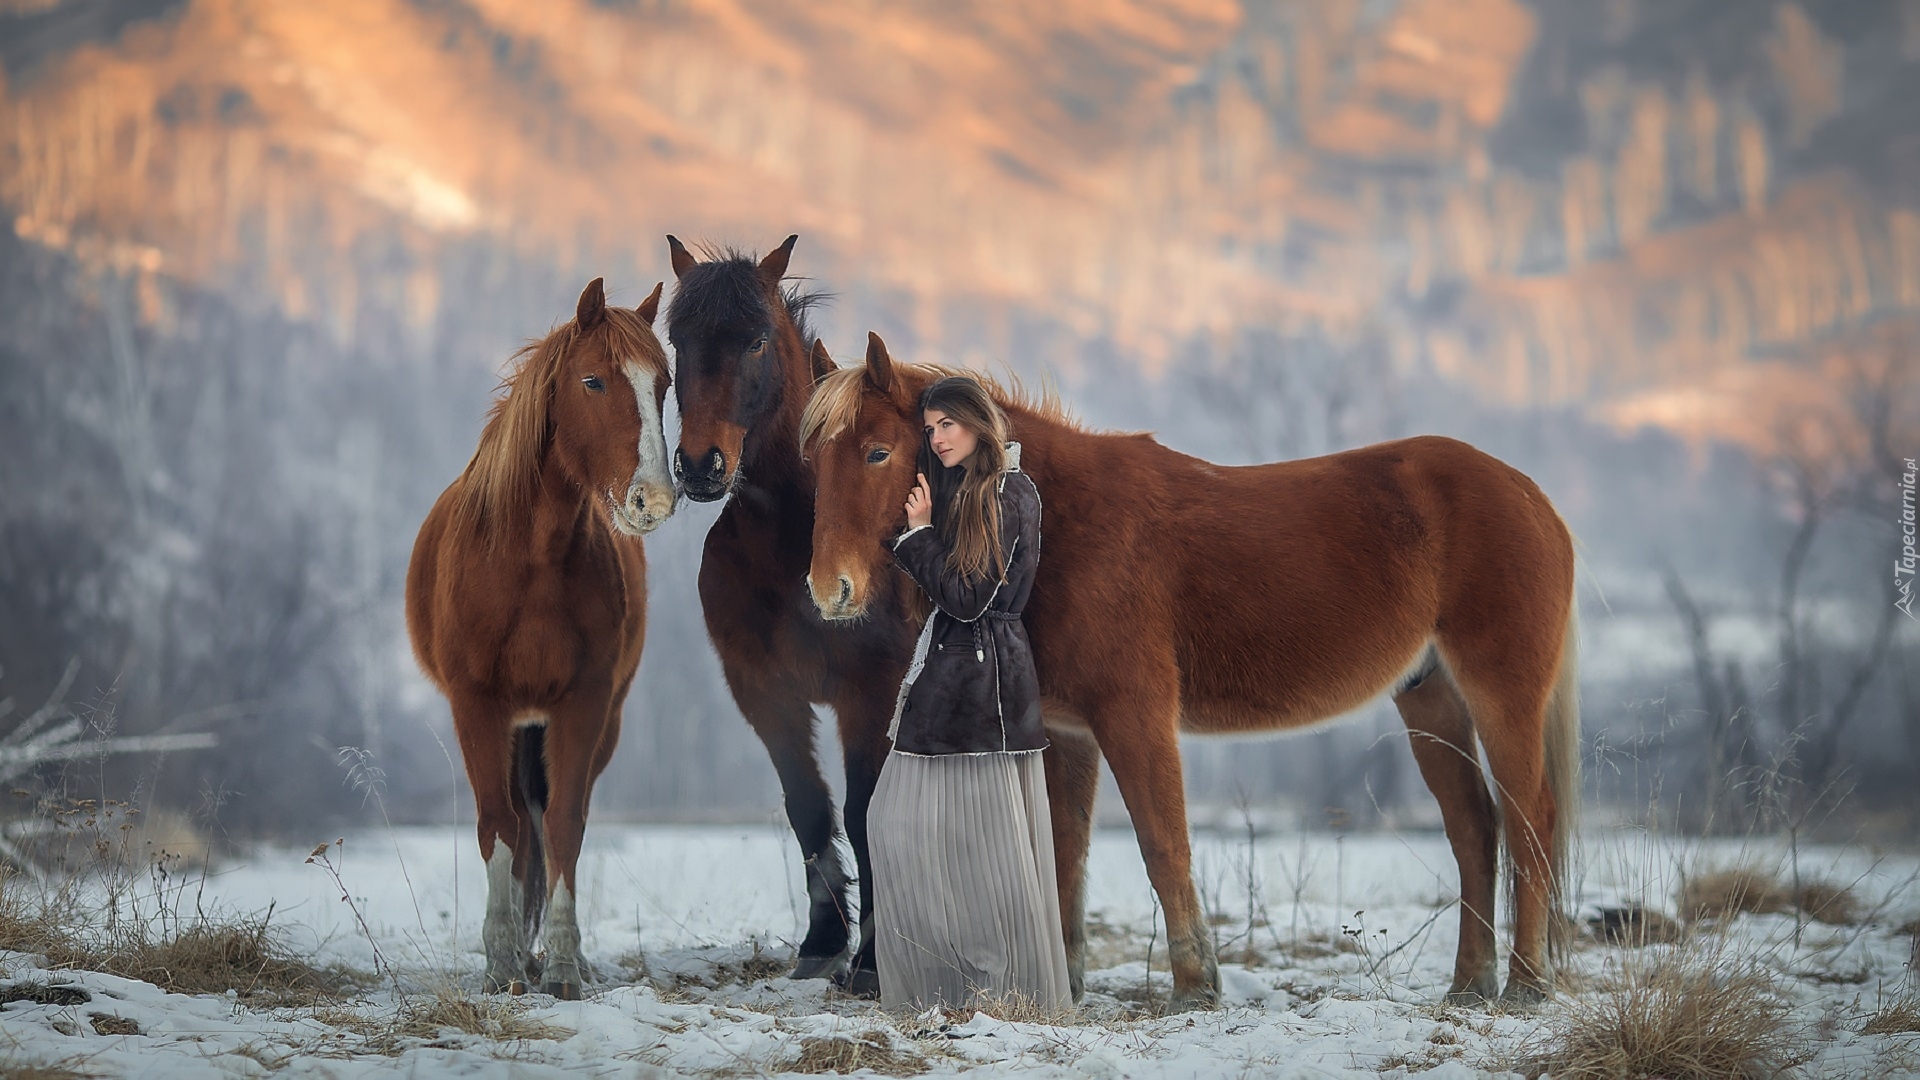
503	477
835	404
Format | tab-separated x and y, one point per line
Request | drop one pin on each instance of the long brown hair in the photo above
966	498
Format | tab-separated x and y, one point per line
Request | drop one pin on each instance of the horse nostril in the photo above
680	462
846	591
719	462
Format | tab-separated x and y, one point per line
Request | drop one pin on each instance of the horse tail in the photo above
1563	771
530	780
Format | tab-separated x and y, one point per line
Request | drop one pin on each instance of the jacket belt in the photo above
980	633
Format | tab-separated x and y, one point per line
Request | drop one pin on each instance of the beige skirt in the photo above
965	901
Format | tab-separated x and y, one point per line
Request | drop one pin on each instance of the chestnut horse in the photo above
743	372
1179	595
526	602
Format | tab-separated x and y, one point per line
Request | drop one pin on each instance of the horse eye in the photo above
594	384
758	347
877	455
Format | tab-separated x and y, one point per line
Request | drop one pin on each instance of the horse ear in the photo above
593	304
683	261
774	266
823	364
649	308
879	364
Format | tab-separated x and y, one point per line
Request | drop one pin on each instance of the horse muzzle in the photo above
706	478
643	510
836	601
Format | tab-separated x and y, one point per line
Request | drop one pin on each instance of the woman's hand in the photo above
919	503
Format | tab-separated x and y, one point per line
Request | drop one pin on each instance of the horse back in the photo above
1279	594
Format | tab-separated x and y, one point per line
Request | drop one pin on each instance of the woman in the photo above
965	903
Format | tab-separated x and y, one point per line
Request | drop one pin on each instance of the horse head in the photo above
862	432
734	336
606	387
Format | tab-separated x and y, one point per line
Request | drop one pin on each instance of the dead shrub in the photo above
488	1017
201	955
1751	890
870	1050
1739	890
1832	904
1684	1017
1900	1018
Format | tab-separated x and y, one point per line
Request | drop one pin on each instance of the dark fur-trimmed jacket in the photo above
972	687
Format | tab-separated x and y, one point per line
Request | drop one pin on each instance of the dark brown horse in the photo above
527	600
1179	595
743	372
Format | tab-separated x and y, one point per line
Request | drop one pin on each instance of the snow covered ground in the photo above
1352	943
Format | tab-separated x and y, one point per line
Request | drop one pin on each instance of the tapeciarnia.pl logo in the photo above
1903	567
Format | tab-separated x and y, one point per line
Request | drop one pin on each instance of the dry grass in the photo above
15	1069
201	957
493	1018
1689	1016
428	1019
1828	903
1900	1018
109	1024
871	1050
1015	1007
1752	890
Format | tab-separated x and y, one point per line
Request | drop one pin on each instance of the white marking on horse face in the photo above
650	494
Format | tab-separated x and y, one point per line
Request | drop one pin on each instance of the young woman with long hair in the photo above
959	828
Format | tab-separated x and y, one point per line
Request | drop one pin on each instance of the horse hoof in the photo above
565	991
1204	999
820	967
1476	994
859	982
1522	997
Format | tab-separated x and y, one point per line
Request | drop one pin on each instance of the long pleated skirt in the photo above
965	901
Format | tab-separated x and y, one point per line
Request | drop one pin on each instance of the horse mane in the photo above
503	477
836	398
725	286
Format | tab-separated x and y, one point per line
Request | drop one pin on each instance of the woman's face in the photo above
952	441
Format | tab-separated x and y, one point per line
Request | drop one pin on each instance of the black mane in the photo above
724	289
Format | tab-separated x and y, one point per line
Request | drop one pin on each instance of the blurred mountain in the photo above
1564	200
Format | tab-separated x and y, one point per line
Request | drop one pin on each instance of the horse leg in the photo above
1509	715
1444	748
1143	749
483	728
784	723
1073	779
575	732
863	725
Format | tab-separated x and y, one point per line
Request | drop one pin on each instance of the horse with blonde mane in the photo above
526	603
1177	595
